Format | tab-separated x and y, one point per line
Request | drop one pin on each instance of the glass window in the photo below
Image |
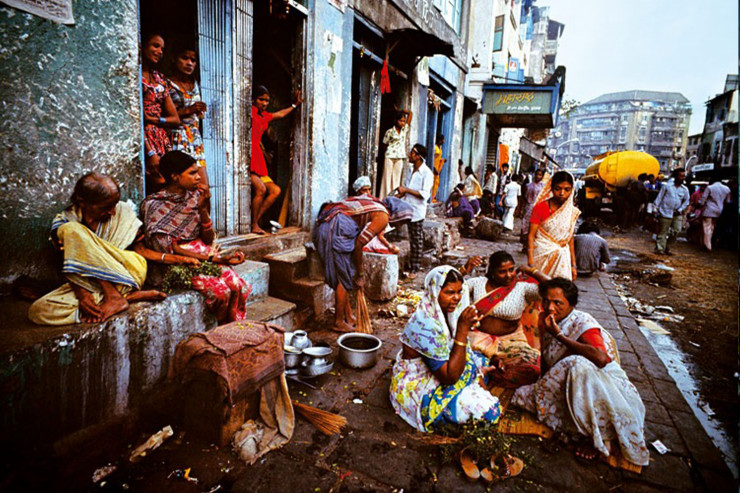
498	33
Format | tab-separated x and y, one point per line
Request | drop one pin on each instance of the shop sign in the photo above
518	102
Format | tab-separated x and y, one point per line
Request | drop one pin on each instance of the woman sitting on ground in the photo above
177	225
584	393
458	206
507	300
436	376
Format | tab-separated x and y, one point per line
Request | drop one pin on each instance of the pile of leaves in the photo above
181	276
480	437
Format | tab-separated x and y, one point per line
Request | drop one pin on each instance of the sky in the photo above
685	46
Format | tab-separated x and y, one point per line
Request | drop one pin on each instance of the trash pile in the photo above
647	315
403	305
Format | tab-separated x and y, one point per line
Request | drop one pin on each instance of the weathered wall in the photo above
69	97
331	84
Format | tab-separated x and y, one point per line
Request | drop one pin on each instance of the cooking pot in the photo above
358	350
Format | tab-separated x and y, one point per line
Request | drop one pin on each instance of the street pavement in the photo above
379	452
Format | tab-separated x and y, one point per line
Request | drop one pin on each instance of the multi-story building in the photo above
719	140
649	121
502	45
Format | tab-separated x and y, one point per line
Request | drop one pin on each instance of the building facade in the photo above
649	121
719	140
74	95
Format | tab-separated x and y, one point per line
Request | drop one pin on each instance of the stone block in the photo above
381	276
315	265
489	229
434	232
701	447
452	236
671	397
404	249
257	275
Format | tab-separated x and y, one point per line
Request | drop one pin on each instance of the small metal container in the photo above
293	357
300	340
358	350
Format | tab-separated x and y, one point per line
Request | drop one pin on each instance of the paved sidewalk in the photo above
379	452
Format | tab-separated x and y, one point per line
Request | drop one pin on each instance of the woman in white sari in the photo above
584	391
551	226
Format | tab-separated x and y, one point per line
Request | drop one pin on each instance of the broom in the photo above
328	423
363	315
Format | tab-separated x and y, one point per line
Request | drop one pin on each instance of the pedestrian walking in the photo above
395	152
529	198
416	192
672	201
439	163
512	191
715	197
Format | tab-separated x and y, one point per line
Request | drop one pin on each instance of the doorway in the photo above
278	66
439	121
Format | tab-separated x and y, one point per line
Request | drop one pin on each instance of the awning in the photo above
407	45
522	105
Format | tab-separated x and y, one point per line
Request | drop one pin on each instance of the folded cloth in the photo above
244	354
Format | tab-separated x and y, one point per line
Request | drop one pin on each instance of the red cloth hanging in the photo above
385	78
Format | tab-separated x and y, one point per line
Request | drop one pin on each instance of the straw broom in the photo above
363	315
328	423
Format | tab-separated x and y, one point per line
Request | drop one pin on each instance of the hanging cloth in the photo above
385	79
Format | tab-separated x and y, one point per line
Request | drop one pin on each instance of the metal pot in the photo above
300	340
358	350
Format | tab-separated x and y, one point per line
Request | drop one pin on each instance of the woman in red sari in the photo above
508	300
177	224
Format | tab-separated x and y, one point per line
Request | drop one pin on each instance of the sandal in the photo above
508	466
468	465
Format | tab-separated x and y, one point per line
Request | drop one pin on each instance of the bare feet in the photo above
257	230
341	326
149	295
585	452
112	306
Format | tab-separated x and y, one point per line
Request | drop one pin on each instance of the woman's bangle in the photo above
162	120
294	106
458	343
151	153
162	259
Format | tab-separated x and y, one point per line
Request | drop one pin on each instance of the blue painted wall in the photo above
330	59
70	102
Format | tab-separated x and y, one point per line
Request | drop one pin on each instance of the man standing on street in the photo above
713	201
416	190
503	180
670	205
531	192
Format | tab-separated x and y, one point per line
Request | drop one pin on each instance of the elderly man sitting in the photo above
103	277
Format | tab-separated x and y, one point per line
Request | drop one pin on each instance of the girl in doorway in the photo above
264	190
159	110
185	95
395	153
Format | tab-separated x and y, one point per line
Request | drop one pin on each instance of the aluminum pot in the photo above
358	350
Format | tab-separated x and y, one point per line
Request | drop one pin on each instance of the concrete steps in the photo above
289	279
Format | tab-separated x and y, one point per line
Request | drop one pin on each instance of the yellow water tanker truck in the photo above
612	171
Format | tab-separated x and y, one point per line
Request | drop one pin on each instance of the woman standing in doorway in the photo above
395	153
264	190
185	95
159	110
550	239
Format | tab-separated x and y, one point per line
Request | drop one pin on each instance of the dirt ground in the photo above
704	289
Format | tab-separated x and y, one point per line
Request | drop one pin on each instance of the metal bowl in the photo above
316	370
358	350
293	357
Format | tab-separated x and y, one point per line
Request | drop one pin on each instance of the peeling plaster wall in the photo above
69	96
331	59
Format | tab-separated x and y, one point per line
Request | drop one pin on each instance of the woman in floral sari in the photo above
584	392
508	300
436	377
551	226
177	224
